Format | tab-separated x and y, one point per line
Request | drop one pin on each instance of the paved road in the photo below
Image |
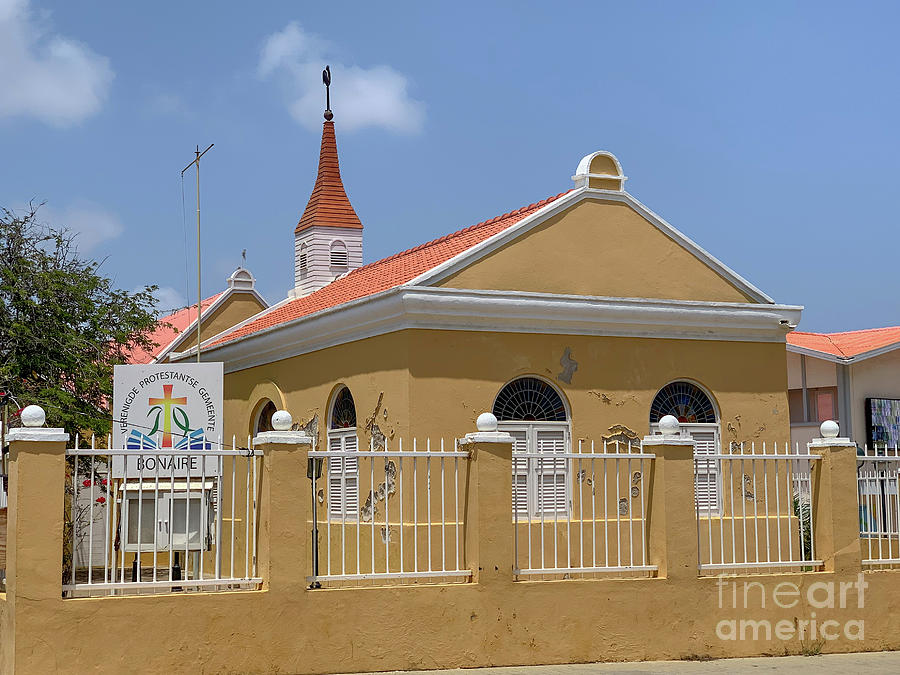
858	664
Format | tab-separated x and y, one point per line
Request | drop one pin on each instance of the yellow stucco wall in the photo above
437	382
597	248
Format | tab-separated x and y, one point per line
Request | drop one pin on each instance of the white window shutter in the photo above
520	474
706	471
343	476
552	474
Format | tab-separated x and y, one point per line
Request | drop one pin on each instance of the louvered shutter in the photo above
706	471
343	476
520	473
552	474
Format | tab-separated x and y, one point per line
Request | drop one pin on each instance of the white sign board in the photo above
166	407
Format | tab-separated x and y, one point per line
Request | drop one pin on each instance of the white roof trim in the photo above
405	307
500	239
806	351
192	326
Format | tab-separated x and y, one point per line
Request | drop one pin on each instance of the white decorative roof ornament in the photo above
242	279
600	170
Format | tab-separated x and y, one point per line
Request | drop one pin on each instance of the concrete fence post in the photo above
673	519
835	511
285	545
34	544
489	528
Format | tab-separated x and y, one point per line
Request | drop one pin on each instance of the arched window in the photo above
343	471
304	260
340	259
533	412
686	401
263	421
695	410
531	400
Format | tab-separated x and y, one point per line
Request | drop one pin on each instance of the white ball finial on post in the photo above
669	425
33	416
486	422
282	421
829	429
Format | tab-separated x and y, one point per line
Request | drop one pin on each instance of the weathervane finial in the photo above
326	79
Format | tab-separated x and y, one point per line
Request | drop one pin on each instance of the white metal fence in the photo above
581	513
762	517
160	519
389	514
879	508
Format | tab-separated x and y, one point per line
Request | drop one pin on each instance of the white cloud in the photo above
46	76
169	299
92	223
360	97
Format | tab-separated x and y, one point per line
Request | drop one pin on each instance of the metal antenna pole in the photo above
196	163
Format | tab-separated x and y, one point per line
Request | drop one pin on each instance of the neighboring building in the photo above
837	376
581	316
178	331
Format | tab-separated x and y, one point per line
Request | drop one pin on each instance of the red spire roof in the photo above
328	204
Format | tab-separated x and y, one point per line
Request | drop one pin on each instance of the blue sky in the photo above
765	131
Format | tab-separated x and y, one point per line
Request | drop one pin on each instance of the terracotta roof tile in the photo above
847	344
384	274
328	204
165	335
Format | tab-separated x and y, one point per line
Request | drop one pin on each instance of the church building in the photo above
584	315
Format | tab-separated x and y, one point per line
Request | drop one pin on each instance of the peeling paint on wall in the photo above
311	427
609	399
388	487
569	366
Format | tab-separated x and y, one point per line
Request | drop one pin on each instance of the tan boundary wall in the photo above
492	621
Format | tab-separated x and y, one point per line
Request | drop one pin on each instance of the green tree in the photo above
63	324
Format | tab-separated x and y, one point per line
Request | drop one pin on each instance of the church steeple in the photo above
328	238
328	205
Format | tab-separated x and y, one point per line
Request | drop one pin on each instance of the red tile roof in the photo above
328	204
165	335
386	273
848	344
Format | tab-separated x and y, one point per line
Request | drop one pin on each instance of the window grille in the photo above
684	400
343	411
529	399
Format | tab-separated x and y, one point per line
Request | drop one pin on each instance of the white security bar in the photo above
879	507
759	516
391	514
581	513
150	520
